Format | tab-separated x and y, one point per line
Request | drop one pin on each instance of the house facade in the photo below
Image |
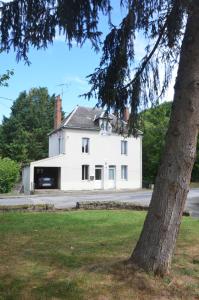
87	152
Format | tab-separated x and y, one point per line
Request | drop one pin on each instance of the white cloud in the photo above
62	38
75	80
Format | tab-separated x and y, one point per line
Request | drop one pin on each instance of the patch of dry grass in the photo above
80	255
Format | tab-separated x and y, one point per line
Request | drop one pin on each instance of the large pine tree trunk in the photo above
155	247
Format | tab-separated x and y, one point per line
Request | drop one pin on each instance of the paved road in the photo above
69	199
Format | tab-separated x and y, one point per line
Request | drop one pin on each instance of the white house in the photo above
87	152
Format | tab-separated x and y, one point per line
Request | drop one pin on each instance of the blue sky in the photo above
57	65
52	67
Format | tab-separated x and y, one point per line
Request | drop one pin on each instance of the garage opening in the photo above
47	177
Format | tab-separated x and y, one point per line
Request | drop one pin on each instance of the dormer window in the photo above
105	126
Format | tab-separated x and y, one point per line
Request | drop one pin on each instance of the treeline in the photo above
23	135
154	124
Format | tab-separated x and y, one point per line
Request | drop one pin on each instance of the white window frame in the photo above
124	172
85	172
85	145
124	147
112	167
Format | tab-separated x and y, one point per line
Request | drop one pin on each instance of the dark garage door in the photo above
47	177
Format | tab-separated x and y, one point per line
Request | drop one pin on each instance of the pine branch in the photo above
148	58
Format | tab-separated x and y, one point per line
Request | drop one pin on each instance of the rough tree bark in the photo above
155	247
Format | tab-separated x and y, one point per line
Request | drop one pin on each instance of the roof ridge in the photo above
70	115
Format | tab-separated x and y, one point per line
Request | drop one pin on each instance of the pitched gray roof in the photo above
83	118
86	118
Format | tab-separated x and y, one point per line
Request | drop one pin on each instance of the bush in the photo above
9	174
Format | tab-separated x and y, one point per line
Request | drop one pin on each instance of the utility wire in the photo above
6	98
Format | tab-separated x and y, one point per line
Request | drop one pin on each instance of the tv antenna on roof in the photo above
62	85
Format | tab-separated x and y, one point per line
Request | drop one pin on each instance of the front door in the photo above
111	177
98	177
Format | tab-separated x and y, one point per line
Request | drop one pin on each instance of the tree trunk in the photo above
155	247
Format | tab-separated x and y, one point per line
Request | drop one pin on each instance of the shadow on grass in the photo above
17	289
67	289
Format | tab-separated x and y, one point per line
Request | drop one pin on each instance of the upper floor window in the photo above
59	145
85	172
105	126
124	147
124	172
85	145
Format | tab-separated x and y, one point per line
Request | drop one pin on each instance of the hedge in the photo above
9	174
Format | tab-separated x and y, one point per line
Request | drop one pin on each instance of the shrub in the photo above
9	174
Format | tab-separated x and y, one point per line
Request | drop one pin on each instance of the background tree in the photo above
24	134
154	126
165	24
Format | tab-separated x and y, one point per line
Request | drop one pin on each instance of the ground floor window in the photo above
98	172
85	172
111	173
124	172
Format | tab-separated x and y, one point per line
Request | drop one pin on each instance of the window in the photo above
124	172
111	173
98	174
124	146
85	145
85	172
105	126
59	145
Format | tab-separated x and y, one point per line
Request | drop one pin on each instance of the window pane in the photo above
85	172
124	172
85	145
124	147
111	173
98	174
82	172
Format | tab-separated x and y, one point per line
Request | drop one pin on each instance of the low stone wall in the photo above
111	205
94	205
26	207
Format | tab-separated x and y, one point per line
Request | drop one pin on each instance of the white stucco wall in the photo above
105	150
26	179
53	146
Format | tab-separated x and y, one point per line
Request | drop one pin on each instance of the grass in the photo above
78	255
194	185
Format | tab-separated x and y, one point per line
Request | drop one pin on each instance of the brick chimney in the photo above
126	114
57	112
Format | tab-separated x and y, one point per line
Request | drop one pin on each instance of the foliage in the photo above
70	255
5	77
9	173
120	79
154	124
24	134
77	20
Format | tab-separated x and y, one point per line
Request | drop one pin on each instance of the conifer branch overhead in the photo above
120	79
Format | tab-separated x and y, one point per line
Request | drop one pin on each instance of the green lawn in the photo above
78	255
